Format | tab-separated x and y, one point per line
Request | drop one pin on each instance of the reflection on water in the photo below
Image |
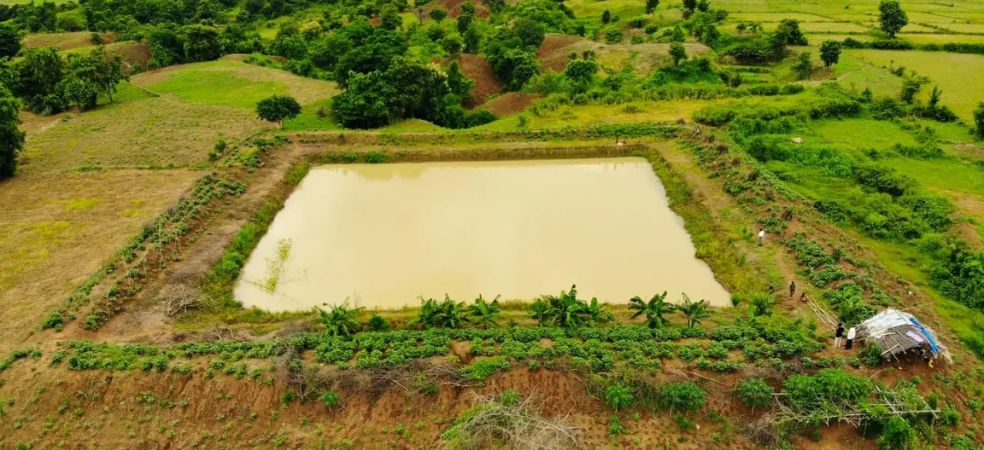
383	235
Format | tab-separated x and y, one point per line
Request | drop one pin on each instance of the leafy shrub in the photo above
755	393
685	396
826	390
330	399
482	368
618	397
871	355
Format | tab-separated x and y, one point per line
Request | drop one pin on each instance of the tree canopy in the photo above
892	17
278	108
11	138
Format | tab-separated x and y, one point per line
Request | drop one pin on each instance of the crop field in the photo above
948	71
181	200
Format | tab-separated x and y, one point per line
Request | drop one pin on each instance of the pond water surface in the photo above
380	236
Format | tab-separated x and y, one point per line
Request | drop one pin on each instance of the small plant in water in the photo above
276	266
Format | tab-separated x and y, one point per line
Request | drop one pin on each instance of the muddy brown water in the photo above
381	236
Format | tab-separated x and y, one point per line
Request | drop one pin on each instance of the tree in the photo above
473	39
278	108
485	313
90	75
892	17
597	313
529	32
458	83
694	311
201	43
9	41
677	35
581	72
934	98
979	120
438	14
513	66
465	18
654	309
11	138
804	66
689	6
390	18
565	310
37	78
434	314
678	52
830	52
910	87
651	6
340	321
404	90
790	33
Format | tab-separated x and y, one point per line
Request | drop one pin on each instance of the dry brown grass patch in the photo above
152	132
59	228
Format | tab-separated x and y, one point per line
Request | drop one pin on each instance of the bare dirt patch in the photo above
509	103
476	68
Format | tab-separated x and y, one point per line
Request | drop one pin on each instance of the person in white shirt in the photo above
761	236
850	337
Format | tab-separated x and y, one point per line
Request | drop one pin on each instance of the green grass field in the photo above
949	71
233	83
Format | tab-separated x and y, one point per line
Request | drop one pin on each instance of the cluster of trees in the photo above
11	138
766	47
565	310
406	90
48	83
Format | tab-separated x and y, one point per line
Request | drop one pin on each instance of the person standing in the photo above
761	236
850	337
792	288
838	334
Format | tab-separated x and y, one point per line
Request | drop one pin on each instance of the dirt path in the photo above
143	320
724	209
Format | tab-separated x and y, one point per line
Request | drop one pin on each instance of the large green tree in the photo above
90	75
11	138
201	43
581	73
277	109
892	17
830	52
37	78
9	41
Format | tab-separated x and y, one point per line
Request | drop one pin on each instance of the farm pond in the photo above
383	235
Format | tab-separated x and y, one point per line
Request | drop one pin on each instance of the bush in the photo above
618	397
330	399
897	434
482	368
685	396
829	388
755	393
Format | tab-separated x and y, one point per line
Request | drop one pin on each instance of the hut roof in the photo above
896	332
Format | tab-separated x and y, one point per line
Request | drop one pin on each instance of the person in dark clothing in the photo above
838	335
792	288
